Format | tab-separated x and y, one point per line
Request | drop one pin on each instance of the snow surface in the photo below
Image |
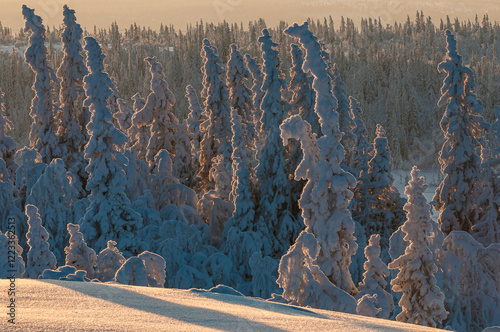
55	305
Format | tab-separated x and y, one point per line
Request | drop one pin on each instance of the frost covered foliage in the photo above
325	199
136	173
78	254
139	132
155	268
487	229
303	97
182	167
362	149
374	282
132	272
30	169
216	127
257	93
124	116
71	73
42	135
39	255
109	215
240	97
157	113
109	261
472	282
161	179
422	300
7	144
243	216
305	284
194	120
8	268
346	124
272	182
463	128
263	278
53	195
377	205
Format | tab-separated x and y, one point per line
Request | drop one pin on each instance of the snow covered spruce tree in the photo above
39	255
274	218
42	135
138	133
326	196
240	97
377	205
53	195
257	93
71	73
78	254
7	268
194	120
7	144
241	238
110	215
345	122
215	157
157	113
422	300
374	282
487	228
108	262
362	149
463	128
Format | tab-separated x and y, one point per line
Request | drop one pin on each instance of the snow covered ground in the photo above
54	305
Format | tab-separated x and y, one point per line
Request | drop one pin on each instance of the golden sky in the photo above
181	12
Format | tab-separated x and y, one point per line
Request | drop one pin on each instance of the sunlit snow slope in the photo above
53	305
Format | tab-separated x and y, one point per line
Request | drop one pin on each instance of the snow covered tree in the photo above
194	120
215	157
345	122
471	282
7	266
377	205
463	128
240	97
109	261
39	255
138	133
272	182
155	268
374	282
53	195
422	300
305	284
257	93
30	169
263	278
109	215
71	73
7	144
325	199
157	113
124	116
42	135
132	272
361	150
182	167
161	178
78	254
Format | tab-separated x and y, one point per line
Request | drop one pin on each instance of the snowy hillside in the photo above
54	305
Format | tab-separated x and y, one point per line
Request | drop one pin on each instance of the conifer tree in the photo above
463	128
422	300
7	268
7	144
78	254
42	135
257	94
39	255
362	149
110	215
194	120
326	196
139	132
109	261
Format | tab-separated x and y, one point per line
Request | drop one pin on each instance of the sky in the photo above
182	12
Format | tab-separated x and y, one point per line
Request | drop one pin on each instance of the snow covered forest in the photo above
259	159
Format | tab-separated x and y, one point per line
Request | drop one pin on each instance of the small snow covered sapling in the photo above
263	278
155	268
39	255
108	262
132	272
7	268
78	254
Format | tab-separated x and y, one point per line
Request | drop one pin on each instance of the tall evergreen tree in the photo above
7	144
463	128
257	94
109	216
194	120
326	195
361	150
42	135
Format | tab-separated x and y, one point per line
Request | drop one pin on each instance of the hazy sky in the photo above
180	12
